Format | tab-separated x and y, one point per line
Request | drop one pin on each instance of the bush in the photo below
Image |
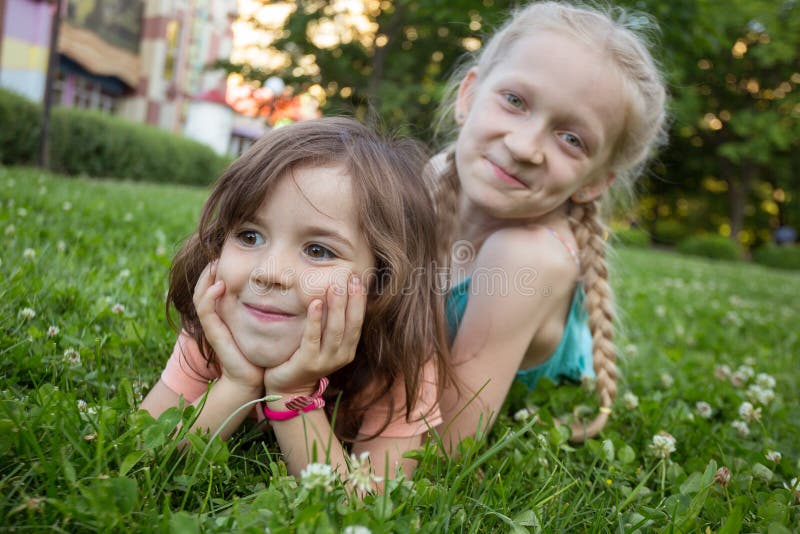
97	144
669	231
711	246
631	237
780	257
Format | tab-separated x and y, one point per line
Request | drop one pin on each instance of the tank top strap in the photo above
567	245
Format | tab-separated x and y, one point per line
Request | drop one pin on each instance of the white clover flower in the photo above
117	309
542	439
661	311
750	361
631	350
666	380
794	487
27	313
124	273
42	191
741	427
11	229
82	405
29	254
72	357
161	250
762	472
738	379
52	331
760	395
722	372
522	415
544	462
749	413
22	212
128	217
774	456
356	529
663	444
631	400
704	409
66	206
61	246
746	371
360	473
316	475
765	381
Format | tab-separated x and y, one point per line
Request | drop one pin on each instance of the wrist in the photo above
254	390
290	405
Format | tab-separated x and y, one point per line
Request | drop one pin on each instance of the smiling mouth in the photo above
268	313
507	178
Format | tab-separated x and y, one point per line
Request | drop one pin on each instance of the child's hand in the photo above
234	365
322	353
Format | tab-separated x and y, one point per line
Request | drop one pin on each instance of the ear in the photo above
466	90
593	190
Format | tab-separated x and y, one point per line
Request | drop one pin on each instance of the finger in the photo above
333	333
354	316
312	333
205	280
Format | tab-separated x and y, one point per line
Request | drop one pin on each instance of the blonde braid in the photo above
447	189
589	232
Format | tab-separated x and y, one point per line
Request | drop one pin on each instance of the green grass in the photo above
74	454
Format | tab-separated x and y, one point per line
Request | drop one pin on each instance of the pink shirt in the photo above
188	374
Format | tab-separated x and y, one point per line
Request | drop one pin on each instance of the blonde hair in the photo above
622	36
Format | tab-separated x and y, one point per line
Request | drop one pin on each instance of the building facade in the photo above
144	60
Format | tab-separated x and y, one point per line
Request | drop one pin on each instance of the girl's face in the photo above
539	127
303	238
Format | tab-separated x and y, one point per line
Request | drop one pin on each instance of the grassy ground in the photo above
83	334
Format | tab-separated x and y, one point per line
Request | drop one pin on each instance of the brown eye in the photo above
249	238
318	252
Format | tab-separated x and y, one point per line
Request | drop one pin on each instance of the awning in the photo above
97	56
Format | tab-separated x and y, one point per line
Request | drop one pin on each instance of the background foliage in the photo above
732	68
98	144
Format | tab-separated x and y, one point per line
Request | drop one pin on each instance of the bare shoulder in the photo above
531	256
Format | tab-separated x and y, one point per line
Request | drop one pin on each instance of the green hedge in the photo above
670	231
711	246
102	145
631	237
781	257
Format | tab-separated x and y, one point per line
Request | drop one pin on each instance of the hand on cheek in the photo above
330	338
235	366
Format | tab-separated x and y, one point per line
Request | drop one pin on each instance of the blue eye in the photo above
250	238
572	139
318	252
514	100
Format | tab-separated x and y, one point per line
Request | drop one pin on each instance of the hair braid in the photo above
589	233
447	189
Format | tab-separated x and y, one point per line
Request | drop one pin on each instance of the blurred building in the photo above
145	60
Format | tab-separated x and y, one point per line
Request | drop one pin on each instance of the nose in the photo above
272	270
526	142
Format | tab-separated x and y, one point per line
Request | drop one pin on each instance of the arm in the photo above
239	383
500	323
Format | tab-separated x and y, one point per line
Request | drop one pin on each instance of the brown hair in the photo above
622	36
404	320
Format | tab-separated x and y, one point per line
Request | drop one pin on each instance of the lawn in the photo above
709	355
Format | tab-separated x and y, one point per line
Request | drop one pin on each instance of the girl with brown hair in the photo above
311	279
560	103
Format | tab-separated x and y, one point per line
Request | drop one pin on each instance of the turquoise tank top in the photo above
572	359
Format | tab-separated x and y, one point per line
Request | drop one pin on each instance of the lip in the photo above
506	177
268	313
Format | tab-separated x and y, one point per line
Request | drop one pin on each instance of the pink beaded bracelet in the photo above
299	404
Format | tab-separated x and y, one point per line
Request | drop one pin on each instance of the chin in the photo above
266	354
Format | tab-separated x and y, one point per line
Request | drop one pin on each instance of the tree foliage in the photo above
732	68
